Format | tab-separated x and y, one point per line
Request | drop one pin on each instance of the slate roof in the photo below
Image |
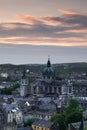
24	128
43	123
11	107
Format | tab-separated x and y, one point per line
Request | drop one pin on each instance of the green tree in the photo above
61	120
73	105
72	113
9	90
75	116
29	122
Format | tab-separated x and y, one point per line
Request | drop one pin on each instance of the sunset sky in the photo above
30	30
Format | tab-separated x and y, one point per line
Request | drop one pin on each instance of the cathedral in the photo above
50	85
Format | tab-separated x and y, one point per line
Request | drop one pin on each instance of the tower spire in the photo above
24	73
48	62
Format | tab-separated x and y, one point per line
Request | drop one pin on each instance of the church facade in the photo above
49	85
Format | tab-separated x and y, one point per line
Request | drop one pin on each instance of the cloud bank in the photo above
69	29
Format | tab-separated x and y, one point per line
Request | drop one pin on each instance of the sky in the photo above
32	30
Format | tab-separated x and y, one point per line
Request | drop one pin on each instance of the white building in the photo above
4	75
13	113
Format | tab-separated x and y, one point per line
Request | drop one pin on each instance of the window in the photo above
34	127
37	128
19	118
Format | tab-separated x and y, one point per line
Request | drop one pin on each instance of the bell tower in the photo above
24	85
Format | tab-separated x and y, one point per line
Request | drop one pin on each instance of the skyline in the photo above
30	30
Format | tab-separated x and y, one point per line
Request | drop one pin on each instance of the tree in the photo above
61	120
73	105
72	113
29	122
75	116
9	90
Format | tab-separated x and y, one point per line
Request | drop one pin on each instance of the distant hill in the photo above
60	69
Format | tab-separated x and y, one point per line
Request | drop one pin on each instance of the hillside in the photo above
60	69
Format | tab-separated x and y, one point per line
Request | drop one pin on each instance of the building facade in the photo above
13	113
44	125
49	84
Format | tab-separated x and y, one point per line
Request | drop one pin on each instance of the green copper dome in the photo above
48	71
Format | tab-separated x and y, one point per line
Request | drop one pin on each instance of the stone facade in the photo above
23	85
44	125
48	84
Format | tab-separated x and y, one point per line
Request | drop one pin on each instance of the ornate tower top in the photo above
48	63
48	71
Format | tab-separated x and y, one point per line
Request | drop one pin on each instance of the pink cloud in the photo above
30	19
78	31
67	12
45	30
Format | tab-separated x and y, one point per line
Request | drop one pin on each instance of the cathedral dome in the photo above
48	71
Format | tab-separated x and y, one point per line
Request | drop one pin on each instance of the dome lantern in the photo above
48	72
